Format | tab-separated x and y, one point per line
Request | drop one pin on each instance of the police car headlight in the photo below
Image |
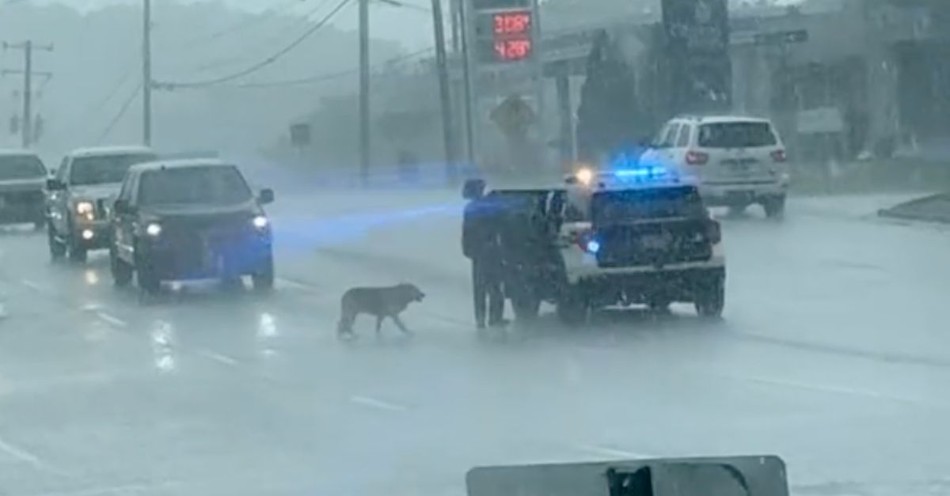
153	230
260	222
584	176
84	207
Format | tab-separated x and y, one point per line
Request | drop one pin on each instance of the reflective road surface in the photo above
834	354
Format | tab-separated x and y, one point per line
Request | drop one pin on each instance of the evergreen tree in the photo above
608	108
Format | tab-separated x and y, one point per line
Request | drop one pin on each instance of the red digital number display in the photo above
512	23
513	49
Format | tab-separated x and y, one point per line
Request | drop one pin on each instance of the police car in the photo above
638	235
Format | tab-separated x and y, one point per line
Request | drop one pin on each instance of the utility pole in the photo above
446	98
27	46
468	79
364	91
147	72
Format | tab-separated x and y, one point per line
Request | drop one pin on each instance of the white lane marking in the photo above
27	457
295	285
218	357
377	404
111	319
835	390
111	490
35	286
608	451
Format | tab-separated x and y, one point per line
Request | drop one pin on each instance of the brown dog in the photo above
379	302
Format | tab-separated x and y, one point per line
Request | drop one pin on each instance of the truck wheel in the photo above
146	278
57	250
526	308
774	206
711	298
121	271
573	309
658	304
263	279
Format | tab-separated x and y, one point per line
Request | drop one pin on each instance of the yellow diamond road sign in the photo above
513	115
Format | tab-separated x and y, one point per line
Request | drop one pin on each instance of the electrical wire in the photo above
266	62
120	114
303	20
331	76
277	8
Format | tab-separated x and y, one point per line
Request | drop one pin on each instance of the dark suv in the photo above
80	194
22	183
189	220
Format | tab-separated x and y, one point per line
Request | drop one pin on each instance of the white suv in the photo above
737	160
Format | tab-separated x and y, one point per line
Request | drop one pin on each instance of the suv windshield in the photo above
214	185
638	204
104	169
21	167
736	135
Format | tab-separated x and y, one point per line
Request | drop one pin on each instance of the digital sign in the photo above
512	50
511	23
505	36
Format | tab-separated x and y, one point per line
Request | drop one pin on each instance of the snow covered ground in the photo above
834	354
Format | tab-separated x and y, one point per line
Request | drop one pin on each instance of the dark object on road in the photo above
22	180
81	195
380	302
714	476
188	220
932	208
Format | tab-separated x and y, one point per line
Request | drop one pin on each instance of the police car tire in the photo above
774	207
263	280
526	308
573	310
711	300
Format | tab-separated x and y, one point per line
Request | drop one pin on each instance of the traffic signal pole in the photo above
27	46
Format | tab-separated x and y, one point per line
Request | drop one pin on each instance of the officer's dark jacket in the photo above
480	227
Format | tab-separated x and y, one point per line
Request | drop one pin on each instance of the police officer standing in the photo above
482	245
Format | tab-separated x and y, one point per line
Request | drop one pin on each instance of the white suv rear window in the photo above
736	135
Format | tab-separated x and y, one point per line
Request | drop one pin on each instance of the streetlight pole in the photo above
364	91
147	72
446	99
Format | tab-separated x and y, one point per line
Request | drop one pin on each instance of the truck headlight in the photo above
84	208
260	221
153	229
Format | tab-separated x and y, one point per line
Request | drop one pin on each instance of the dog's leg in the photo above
345	326
379	325
402	327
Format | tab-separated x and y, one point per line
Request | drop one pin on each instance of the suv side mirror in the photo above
122	207
473	188
266	196
53	184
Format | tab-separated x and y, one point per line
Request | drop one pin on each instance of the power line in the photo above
302	20
277	8
118	116
331	76
264	63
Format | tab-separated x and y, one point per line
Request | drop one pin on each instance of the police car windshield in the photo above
104	169
217	185
20	167
638	204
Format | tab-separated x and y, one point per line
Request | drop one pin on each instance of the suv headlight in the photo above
84	207
260	222
153	229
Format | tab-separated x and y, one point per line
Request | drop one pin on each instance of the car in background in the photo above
81	194
22	188
186	220
739	161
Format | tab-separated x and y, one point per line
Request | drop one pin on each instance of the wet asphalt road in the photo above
835	354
